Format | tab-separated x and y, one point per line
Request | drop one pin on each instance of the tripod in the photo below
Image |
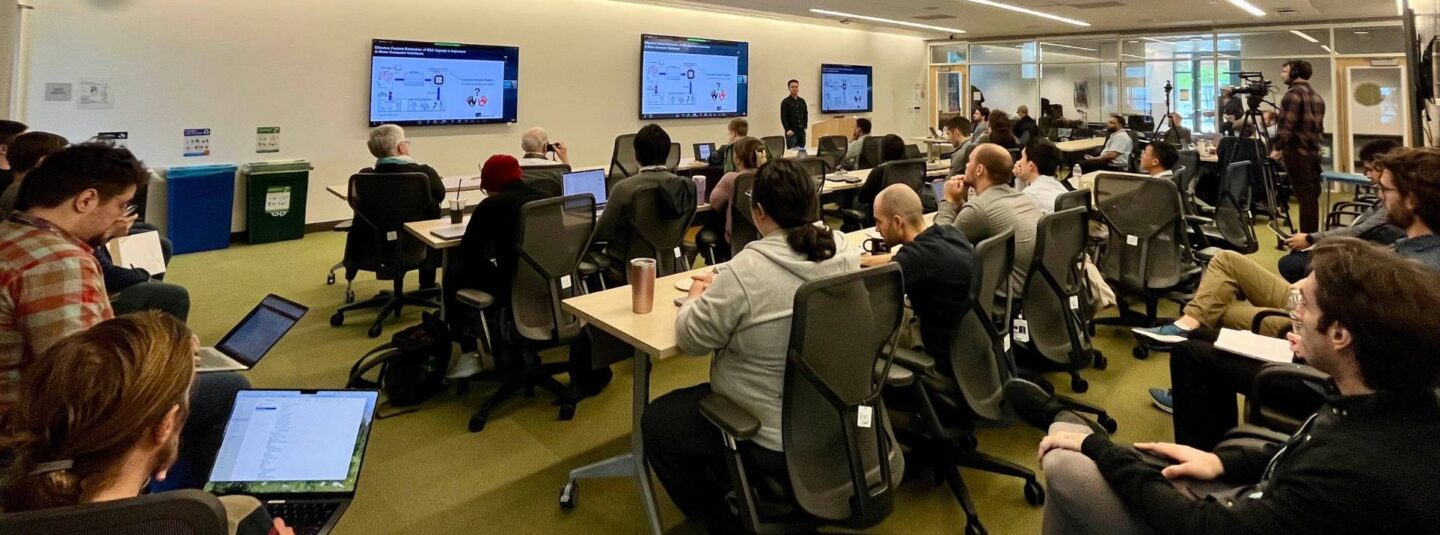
1253	130
1155	134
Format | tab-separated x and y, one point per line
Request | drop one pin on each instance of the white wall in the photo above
304	66
9	38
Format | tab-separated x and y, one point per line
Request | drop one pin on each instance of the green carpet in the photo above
425	473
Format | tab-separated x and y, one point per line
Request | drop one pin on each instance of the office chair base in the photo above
526	380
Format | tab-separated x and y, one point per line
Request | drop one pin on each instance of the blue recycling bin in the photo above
200	198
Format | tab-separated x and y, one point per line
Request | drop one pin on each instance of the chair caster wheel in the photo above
337	319
374	331
349	296
1034	494
568	495
330	279
973	527
1108	423
477	422
1140	352
1101	362
567	411
1046	386
1079	384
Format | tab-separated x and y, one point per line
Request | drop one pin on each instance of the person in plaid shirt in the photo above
1298	134
50	282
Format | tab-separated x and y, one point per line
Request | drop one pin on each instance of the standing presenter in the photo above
794	116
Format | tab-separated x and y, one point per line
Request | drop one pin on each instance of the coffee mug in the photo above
875	246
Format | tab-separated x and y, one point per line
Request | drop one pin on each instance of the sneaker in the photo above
1165	334
467	365
1163	399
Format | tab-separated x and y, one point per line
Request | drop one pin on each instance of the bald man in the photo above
536	143
936	260
994	208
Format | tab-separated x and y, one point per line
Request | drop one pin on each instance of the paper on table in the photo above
1255	346
138	251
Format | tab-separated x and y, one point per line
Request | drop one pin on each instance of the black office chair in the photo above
622	160
832	149
657	234
967	385
547	178
775	145
343	226
1137	146
742	224
815	166
913	152
838	470
869	153
1055	301
179	512
553	237
383	204
908	172
672	160
1230	224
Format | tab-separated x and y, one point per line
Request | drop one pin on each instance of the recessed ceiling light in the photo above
1026	11
1362	33
1133	41
886	21
1248	7
1304	36
1327	49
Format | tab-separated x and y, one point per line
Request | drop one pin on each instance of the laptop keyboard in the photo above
210	358
306	518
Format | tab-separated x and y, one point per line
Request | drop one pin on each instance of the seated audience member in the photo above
1115	156
8	131
737	128
677	195
936	260
1158	159
995	208
1373	225
857	143
99	418
1365	317
1002	131
391	149
26	152
748	154
1178	135
892	148
957	132
979	117
73	201
1025	126
536	144
1035	174
742	314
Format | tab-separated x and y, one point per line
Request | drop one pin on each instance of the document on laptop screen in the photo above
290	438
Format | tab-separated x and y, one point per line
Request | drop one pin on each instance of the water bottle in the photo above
699	189
1076	172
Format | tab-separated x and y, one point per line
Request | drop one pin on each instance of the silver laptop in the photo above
590	181
252	338
297	451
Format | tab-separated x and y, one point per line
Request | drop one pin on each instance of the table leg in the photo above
444	268
631	464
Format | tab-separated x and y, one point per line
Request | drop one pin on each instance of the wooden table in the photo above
932	144
1081	145
653	337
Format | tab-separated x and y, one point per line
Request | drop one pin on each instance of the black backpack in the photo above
412	365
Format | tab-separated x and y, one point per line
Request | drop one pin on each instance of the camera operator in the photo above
1298	132
537	146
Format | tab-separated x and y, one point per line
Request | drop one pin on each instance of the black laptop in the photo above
297	451
703	151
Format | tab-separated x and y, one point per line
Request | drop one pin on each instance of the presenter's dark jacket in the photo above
793	113
1362	464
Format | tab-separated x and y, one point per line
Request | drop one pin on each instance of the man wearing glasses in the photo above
1372	225
1362	463
1235	288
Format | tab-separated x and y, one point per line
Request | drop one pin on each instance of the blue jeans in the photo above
211	399
1295	266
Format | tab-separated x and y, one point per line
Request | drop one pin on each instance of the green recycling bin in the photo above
275	194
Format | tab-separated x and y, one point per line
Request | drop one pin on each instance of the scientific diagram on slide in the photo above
688	77
410	89
847	92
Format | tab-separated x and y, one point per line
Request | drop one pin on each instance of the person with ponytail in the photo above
741	313
99	418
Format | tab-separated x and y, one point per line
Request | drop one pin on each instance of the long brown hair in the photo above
87	401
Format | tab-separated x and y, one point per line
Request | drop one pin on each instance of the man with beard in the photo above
1298	132
1116	154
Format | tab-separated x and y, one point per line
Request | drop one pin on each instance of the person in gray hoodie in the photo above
742	313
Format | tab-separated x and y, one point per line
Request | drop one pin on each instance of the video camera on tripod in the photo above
1255	88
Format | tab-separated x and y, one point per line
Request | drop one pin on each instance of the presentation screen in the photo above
415	83
682	77
845	88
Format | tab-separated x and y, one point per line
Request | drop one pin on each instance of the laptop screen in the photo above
591	181
703	150
292	441
261	329
939	187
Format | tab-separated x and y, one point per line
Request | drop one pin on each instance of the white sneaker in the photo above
467	365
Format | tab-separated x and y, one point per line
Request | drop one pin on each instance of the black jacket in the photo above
794	115
1363	464
937	268
1026	124
491	234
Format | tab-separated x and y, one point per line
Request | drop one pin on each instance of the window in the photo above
949	53
1370	40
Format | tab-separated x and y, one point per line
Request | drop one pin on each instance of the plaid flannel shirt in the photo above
50	286
1300	126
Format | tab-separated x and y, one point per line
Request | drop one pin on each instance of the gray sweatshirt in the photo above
744	318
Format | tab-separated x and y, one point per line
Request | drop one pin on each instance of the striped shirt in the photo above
50	286
1301	123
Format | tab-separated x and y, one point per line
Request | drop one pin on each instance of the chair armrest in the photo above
914	361
896	375
474	298
730	417
1199	220
1263	315
1269	379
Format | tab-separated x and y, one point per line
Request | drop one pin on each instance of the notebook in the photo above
140	250
1255	346
297	451
252	338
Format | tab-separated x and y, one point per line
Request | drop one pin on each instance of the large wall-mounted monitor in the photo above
846	88
686	77
419	84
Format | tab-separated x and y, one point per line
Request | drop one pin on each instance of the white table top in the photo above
1081	145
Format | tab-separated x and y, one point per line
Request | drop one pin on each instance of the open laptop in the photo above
935	133
252	338
297	451
590	181
703	151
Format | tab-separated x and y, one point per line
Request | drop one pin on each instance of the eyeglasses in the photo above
1386	189
1293	302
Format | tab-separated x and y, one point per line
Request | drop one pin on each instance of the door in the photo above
1374	106
949	94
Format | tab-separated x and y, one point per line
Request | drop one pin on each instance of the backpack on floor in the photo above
412	365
